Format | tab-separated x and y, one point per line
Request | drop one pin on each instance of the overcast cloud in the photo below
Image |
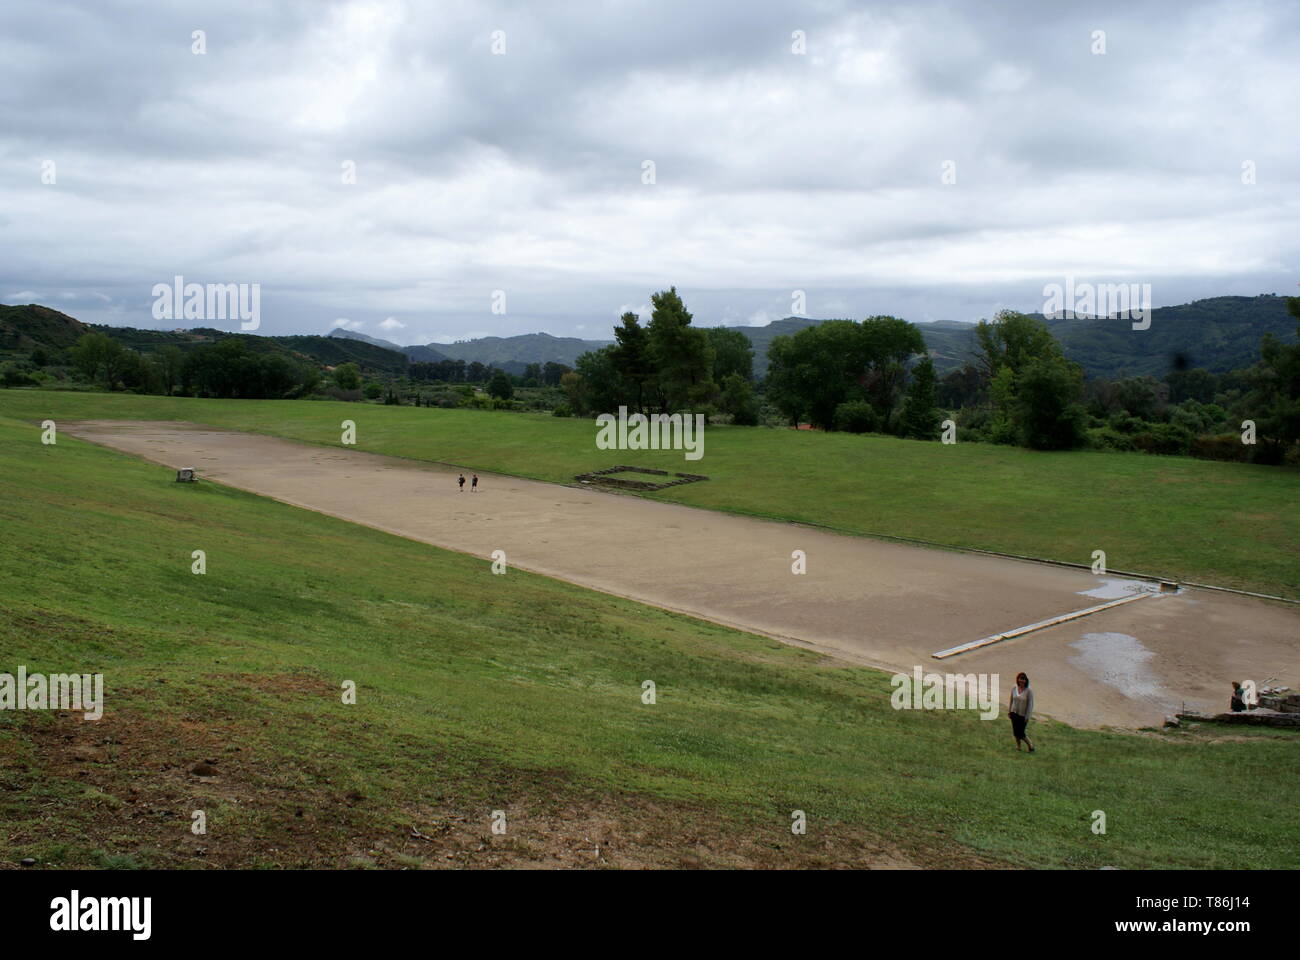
774	171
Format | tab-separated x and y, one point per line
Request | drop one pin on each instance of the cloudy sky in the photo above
505	146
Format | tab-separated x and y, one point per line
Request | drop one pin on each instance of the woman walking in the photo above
1022	707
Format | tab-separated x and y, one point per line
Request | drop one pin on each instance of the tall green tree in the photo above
1274	399
100	359
737	400
887	344
1034	390
552	372
575	389
1012	340
602	389
732	353
813	372
920	410
1195	384
500	386
169	361
1045	404
631	358
347	376
682	355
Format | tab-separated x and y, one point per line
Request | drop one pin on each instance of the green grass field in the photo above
1226	524
478	692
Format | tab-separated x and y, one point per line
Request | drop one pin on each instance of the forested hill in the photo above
27	328
1219	334
31	327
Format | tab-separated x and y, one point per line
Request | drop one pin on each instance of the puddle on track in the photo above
1115	589
1121	662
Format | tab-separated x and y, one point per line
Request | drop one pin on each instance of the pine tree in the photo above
920	409
631	357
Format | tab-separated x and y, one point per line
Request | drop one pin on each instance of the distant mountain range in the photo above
511	354
416	354
1219	334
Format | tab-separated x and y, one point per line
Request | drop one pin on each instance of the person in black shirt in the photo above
1238	698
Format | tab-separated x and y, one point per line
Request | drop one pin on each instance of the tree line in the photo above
1021	389
667	366
240	367
868	376
228	368
859	377
458	371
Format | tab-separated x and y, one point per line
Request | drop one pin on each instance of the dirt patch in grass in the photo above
122	791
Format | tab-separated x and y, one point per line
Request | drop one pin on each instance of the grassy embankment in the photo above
479	692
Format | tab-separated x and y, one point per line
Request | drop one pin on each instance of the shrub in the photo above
562	410
1107	438
1163	438
1226	446
12	376
855	416
347	376
336	393
1125	423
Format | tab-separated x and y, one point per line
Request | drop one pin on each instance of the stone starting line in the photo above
1040	625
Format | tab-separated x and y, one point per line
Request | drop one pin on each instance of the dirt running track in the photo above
886	604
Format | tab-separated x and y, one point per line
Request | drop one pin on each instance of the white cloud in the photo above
775	172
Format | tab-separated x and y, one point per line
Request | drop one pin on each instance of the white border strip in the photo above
1040	625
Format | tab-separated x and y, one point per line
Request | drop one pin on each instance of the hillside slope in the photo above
478	692
24	328
325	351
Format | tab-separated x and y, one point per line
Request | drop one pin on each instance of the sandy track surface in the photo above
886	604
